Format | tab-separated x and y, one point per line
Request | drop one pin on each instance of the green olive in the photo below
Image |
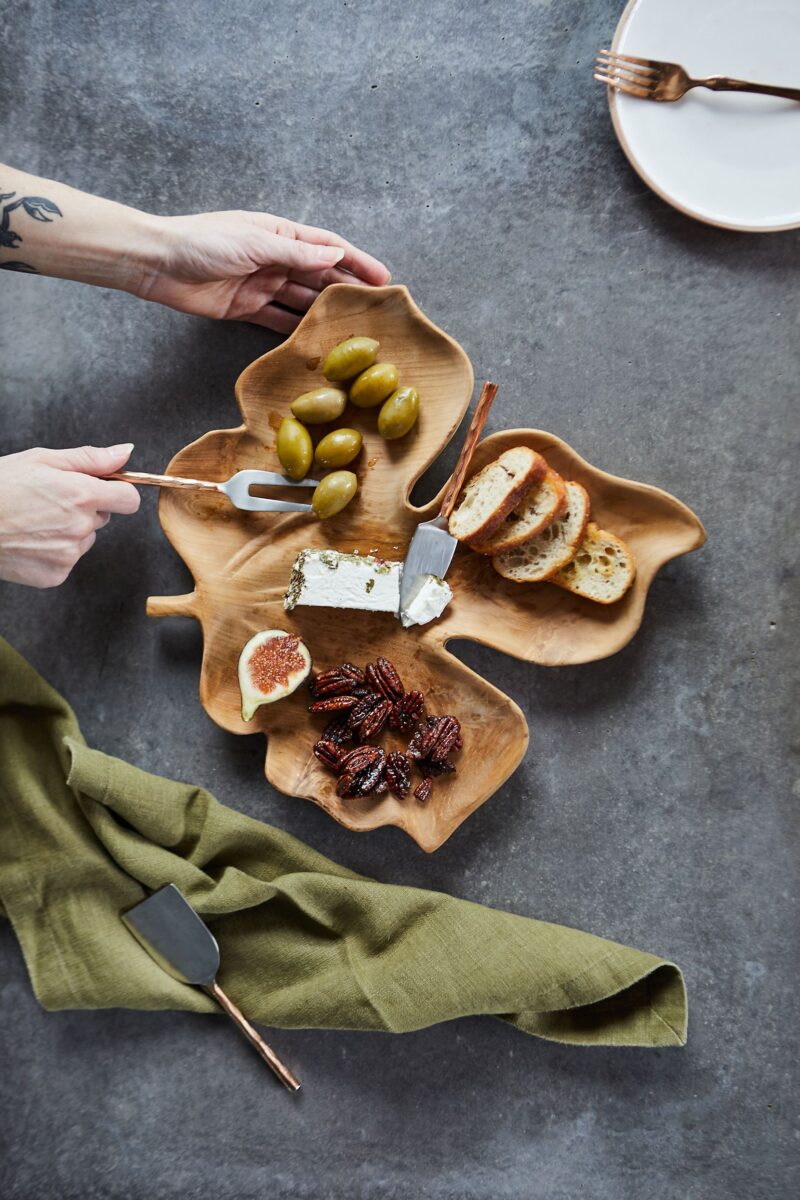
399	413
333	493
350	358
321	405
373	385
338	448
294	448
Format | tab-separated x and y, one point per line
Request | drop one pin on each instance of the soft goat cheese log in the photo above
328	579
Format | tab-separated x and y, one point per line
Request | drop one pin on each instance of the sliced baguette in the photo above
540	557
494	491
603	567
543	503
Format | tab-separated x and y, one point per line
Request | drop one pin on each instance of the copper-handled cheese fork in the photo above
651	79
237	488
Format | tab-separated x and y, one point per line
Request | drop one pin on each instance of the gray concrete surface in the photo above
468	145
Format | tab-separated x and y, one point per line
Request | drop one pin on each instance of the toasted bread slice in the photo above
545	502
540	557
494	491
603	568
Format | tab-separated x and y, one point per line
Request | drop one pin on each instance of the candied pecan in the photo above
344	784
448	737
368	780
375	721
338	682
363	709
337	685
356	760
407	712
435	739
363	770
382	677
333	704
423	790
353	671
422	741
382	786
339	731
332	675
370	715
328	754
398	774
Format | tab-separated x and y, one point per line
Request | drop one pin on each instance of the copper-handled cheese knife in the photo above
181	943
433	546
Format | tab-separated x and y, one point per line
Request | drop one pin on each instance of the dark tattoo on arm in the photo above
35	206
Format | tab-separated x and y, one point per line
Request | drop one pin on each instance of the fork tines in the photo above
636	76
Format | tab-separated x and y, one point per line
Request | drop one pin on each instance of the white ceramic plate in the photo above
730	159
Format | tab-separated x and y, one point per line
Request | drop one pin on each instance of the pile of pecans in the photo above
362	704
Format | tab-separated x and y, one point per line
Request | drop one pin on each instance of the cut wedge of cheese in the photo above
329	579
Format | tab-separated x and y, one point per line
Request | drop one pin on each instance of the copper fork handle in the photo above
488	393
254	1037
723	83
168	481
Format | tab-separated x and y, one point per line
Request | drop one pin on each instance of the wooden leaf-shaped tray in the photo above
241	564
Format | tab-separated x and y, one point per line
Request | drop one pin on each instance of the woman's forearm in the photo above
48	228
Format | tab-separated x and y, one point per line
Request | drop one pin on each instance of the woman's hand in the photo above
244	266
251	266
52	502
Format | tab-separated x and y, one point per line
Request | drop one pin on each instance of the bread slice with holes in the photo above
541	556
493	492
545	502
603	567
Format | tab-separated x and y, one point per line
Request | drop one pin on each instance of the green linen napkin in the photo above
304	942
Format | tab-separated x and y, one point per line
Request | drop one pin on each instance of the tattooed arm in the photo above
246	266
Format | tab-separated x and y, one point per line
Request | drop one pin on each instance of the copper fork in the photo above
653	80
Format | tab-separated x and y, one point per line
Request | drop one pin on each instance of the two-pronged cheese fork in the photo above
650	79
237	488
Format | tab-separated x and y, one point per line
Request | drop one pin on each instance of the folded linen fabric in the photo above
304	942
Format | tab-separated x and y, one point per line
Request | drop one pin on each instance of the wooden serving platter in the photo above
241	564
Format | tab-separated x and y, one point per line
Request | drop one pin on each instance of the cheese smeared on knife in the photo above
328	579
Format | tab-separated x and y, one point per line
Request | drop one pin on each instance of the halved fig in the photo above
272	665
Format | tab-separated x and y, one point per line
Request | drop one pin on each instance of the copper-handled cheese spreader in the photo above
181	943
433	546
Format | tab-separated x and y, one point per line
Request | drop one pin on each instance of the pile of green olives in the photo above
352	364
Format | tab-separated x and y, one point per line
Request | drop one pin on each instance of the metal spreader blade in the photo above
430	553
173	934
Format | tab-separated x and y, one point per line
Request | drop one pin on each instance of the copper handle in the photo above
488	393
254	1037
723	83
168	481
